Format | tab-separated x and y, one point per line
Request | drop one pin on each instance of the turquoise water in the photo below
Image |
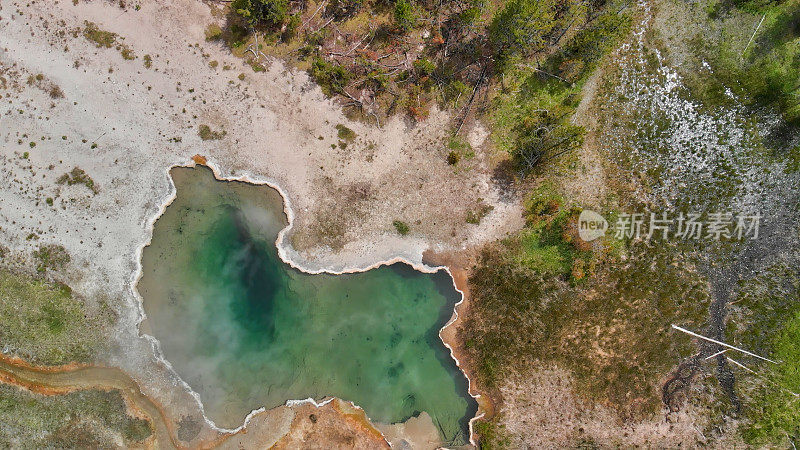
246	330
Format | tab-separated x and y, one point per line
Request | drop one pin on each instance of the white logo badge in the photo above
591	225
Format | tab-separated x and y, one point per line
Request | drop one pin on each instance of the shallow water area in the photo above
245	330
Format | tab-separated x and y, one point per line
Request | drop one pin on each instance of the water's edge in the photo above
285	254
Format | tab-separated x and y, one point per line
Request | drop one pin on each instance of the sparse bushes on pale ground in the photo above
46	85
475	216
106	39
78	176
101	38
51	256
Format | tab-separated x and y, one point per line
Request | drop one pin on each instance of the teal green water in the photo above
245	330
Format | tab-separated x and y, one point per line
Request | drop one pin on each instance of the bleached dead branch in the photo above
721	343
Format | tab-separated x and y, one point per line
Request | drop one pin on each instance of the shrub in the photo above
291	27
265	13
404	14
544	134
345	133
456	92
475	217
213	32
522	26
56	92
580	55
424	67
472	13
542	203
78	176
106	39
206	134
127	53
101	38
235	35
342	9
401	227
332	78
452	158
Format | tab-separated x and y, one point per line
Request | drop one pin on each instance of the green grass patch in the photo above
775	416
51	256
44	323
82	419
767	322
459	149
100	38
491	435
763	75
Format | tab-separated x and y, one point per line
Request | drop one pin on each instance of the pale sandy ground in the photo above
273	122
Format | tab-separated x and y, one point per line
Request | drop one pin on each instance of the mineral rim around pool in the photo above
245	330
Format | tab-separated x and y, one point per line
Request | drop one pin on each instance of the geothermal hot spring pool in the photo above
245	330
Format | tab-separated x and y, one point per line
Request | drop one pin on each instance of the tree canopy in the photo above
523	26
267	13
